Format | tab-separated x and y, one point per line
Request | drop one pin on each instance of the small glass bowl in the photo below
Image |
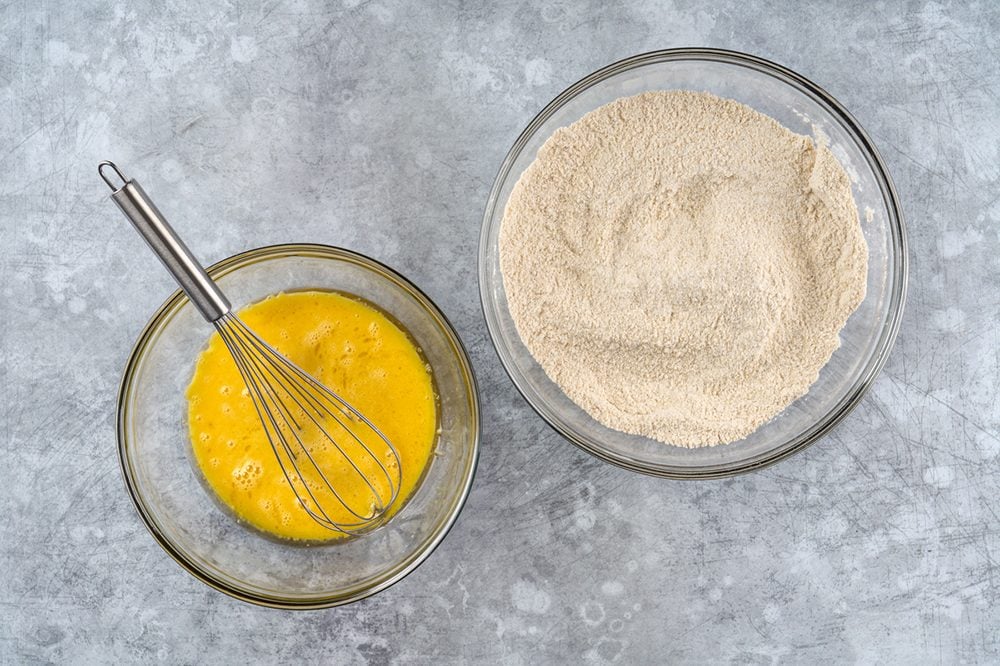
799	105
187	519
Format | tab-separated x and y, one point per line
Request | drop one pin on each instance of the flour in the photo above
681	265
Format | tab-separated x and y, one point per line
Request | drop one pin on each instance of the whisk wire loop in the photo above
290	372
269	424
274	382
285	369
275	407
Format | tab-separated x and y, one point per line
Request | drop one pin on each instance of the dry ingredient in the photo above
681	265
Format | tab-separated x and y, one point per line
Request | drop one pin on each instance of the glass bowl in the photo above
799	105
186	518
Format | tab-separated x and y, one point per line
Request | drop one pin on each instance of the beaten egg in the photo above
353	349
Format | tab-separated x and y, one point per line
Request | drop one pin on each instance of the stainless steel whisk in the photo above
300	415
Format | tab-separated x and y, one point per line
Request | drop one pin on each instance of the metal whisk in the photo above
300	416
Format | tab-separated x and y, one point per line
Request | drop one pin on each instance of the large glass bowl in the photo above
186	518
803	107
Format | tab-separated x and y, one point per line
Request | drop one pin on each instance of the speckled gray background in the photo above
380	127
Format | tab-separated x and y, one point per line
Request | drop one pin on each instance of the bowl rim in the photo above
898	275
147	337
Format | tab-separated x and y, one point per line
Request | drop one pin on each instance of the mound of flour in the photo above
681	265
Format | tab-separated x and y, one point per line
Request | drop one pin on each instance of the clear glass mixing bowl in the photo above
186	518
803	107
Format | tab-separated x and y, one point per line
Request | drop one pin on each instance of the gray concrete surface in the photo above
380	126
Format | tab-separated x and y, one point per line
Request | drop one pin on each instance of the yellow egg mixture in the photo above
354	350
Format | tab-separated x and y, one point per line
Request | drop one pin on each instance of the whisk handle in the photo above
167	245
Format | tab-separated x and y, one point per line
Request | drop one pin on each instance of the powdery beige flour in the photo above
681	264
